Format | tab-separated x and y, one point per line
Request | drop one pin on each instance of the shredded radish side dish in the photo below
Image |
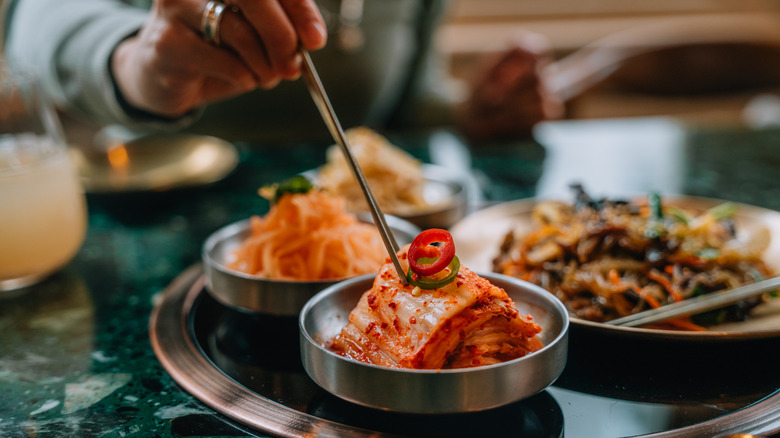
607	259
309	236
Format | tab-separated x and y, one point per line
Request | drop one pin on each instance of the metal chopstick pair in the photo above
703	303
317	91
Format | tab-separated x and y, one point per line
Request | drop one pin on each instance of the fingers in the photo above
308	23
265	34
276	33
510	95
281	26
177	50
239	36
212	61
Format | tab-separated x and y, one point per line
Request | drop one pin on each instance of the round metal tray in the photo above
247	367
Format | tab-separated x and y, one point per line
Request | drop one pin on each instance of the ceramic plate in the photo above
479	236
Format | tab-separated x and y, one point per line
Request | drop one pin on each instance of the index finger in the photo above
277	30
308	23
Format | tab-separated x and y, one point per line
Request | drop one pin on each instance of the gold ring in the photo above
212	17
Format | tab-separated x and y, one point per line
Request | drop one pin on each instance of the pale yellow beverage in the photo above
42	210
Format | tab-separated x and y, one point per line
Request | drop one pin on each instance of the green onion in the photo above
708	253
654	202
294	185
710	317
679	214
430	283
723	211
654	228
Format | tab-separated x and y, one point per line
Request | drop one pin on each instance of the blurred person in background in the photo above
230	69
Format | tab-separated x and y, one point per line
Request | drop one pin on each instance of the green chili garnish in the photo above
296	184
430	283
655	223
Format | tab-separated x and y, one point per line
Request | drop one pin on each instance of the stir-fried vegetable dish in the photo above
607	259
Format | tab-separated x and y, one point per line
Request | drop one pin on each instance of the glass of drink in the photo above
42	205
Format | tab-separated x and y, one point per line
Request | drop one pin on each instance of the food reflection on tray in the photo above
610	258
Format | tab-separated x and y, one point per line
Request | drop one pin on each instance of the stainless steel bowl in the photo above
252	293
445	190
432	391
448	198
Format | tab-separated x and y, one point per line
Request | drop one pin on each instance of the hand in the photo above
510	96
168	68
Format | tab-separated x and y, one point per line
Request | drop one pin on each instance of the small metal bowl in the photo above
255	294
447	195
444	190
432	391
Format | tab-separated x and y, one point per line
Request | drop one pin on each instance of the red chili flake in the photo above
397	324
372	300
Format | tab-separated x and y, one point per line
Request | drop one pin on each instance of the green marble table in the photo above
75	356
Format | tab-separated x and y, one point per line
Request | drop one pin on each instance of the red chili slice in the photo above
421	248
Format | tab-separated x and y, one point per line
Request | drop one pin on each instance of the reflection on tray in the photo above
538	416
262	353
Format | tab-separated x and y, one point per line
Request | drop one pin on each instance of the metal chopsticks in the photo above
317	91
703	303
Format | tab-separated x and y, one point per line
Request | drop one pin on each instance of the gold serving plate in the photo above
155	163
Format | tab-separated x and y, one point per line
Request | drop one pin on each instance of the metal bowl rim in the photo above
555	304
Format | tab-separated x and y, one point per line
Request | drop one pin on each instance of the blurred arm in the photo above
69	44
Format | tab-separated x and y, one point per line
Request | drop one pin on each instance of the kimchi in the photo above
466	323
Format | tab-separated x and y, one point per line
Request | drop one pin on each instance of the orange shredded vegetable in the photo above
309	236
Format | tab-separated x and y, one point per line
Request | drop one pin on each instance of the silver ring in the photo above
212	17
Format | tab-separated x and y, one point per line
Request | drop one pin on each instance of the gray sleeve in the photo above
69	44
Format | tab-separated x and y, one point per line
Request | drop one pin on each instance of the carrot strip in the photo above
309	237
648	298
685	324
663	281
614	278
